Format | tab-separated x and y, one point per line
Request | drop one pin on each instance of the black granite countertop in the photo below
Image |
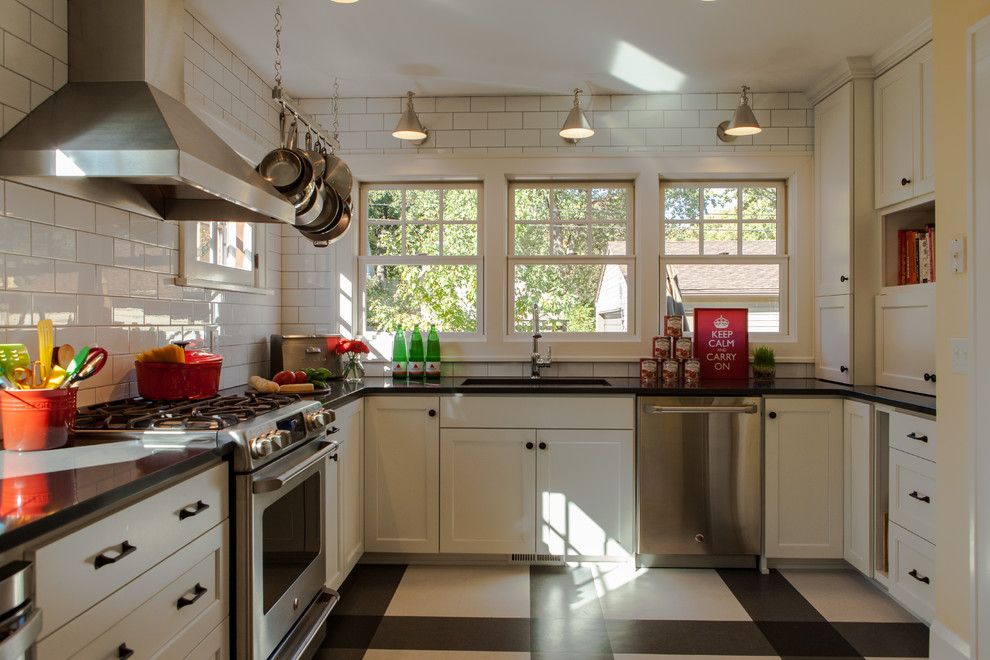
42	491
341	392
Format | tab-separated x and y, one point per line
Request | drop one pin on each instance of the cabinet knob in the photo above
930	378
529	445
905	182
844	369
772	415
432	413
123	652
543	445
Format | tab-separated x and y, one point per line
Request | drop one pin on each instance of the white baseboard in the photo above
946	645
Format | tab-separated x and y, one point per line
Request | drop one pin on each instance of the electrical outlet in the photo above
960	355
957	253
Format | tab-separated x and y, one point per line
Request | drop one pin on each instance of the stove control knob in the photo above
281	439
317	420
261	447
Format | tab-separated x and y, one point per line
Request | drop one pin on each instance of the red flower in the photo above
352	346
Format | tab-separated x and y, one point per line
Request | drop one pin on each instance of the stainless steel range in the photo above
282	454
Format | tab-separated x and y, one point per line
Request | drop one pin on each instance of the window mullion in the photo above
739	217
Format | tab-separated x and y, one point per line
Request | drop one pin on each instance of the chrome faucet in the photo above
536	360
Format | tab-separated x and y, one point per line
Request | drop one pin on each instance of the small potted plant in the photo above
353	349
764	363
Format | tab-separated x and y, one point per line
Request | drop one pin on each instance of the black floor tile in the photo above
900	640
768	597
452	634
688	637
369	589
350	631
574	636
802	639
339	654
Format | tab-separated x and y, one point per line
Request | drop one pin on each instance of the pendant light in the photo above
743	121
576	127
409	126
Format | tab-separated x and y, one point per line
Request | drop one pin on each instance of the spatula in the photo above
46	344
13	356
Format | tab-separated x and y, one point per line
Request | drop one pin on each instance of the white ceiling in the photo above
479	47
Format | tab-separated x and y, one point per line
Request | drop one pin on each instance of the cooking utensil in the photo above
317	157
337	231
11	357
34	376
282	167
77	362
46	344
338	176
312	212
300	193
94	363
63	354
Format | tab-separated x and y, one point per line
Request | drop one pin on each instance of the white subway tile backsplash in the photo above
54	242
71	277
15	18
504	120
143	283
94	249
680	118
789	118
522	103
16	235
29	203
488	138
111	281
15	92
470	120
29	274
21	57
49	38
452	104
698	101
75	213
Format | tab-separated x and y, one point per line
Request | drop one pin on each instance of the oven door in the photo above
282	548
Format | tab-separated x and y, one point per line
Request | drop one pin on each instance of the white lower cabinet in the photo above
345	498
487	490
586	493
857	430
804	478
912	572
833	328
402	474
905	338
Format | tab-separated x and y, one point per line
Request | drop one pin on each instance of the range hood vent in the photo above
119	119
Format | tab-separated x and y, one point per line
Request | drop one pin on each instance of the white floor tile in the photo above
388	654
462	591
846	596
666	593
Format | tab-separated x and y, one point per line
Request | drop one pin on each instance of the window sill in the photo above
223	286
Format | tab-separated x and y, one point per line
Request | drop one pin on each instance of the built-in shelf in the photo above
917	218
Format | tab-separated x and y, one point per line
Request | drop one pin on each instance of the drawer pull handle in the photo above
198	592
922	498
123	652
920	578
919	438
103	559
193	510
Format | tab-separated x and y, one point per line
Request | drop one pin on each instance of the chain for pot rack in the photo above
289	105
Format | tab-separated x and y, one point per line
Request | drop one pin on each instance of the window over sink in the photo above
571	251
724	245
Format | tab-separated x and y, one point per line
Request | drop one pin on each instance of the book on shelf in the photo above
916	255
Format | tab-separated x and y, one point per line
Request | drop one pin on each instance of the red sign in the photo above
721	342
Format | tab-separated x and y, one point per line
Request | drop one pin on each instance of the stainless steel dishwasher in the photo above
699	481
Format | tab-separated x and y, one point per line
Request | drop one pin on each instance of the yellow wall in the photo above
950	19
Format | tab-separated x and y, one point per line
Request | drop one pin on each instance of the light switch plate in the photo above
957	253
960	355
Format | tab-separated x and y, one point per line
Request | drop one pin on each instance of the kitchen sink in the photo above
547	381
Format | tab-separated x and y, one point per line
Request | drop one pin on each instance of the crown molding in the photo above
887	57
873	66
852	68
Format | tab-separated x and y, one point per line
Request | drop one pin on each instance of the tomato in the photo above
284	378
301	377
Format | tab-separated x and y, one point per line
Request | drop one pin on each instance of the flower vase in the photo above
353	368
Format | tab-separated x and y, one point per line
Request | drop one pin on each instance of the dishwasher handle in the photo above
750	409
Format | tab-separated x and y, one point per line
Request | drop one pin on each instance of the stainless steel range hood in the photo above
118	132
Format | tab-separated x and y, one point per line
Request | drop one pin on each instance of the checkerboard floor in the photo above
614	611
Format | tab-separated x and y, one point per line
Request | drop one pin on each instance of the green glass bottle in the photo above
400	363
416	353
432	368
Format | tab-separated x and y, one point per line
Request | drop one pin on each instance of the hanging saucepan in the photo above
333	233
338	176
322	228
316	156
299	195
312	211
283	167
327	217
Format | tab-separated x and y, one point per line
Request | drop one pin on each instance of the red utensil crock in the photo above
36	419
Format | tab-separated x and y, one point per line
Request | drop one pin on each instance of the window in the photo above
421	260
571	252
222	255
724	244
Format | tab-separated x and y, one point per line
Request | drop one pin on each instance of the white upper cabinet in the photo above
833	198
903	130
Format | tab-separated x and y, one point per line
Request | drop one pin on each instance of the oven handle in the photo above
22	640
271	484
660	410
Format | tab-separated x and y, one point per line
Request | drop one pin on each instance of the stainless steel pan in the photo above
338	176
282	167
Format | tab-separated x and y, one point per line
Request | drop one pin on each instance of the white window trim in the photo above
196	273
364	259
628	260
782	259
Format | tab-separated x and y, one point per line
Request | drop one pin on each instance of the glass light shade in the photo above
576	127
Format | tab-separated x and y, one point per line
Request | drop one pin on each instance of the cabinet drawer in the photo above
912	572
538	412
912	494
102	557
912	434
145	613
215	646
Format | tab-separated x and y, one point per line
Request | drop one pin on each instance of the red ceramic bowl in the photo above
162	381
